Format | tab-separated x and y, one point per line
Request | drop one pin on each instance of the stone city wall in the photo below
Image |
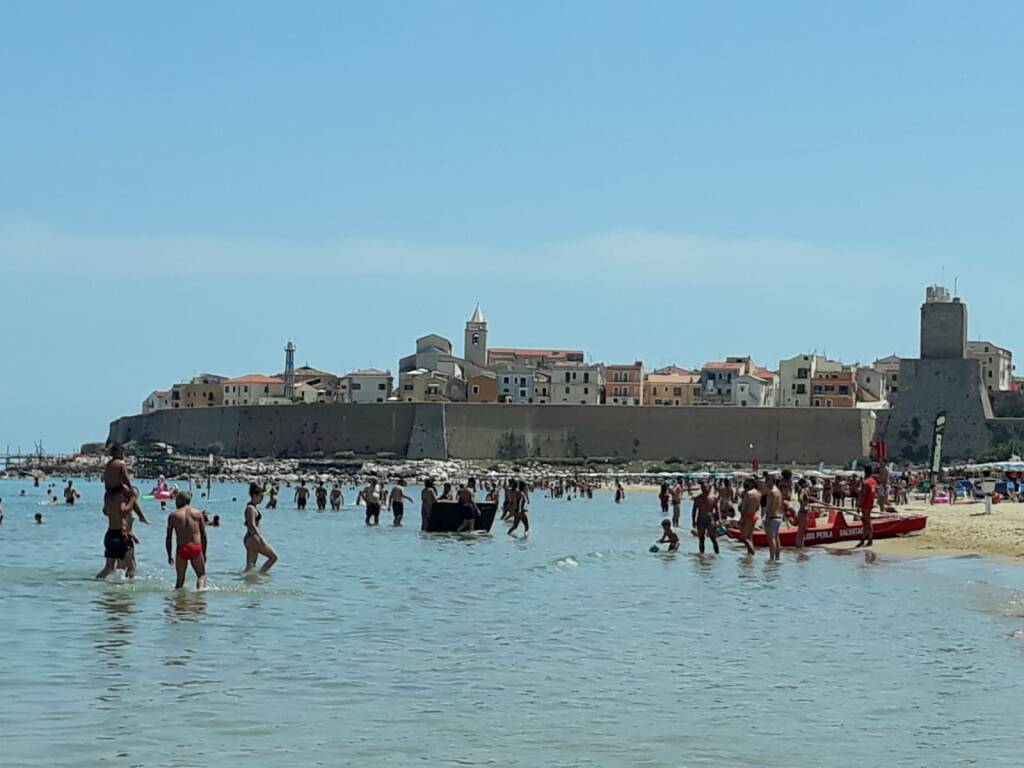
499	431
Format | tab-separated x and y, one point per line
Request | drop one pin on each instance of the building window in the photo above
522	393
476	389
382	386
566	389
356	385
586	377
505	380
476	339
828	403
586	390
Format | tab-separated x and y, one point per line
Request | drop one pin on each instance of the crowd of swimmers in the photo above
774	499
186	540
715	505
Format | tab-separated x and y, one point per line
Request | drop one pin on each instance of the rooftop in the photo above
673	378
369	372
534	352
255	378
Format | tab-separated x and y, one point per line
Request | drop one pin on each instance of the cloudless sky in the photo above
183	187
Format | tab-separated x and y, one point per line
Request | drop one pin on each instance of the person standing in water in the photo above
336	498
620	492
663	497
446	493
703	517
805	498
427	498
518	504
301	495
467	506
186	525
371	498
397	502
117	504
70	494
253	541
132	509
676	495
272	496
773	515
321	497
750	505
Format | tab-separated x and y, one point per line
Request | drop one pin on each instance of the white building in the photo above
889	368
251	389
996	365
158	400
575	383
872	385
369	385
758	390
795	376
716	379
515	384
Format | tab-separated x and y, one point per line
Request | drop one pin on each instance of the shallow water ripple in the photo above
574	647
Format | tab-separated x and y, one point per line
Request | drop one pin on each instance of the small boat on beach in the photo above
838	528
446	516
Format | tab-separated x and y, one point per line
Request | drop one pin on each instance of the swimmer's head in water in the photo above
183	499
39	517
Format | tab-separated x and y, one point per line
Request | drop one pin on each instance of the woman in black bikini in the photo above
255	544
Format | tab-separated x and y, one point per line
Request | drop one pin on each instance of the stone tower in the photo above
475	349
943	326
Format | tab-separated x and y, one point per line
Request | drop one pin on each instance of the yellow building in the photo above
671	389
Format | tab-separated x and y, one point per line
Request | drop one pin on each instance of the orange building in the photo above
624	384
483	388
834	389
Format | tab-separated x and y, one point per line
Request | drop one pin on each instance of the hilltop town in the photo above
484	374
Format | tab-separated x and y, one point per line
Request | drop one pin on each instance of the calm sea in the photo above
575	647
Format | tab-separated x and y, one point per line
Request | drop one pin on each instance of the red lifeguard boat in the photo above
838	528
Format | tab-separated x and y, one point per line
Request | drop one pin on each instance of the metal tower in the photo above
289	369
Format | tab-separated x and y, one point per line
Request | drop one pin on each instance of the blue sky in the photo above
185	187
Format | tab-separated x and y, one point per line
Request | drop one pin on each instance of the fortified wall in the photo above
502	431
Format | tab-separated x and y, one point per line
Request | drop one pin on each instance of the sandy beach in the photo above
962	529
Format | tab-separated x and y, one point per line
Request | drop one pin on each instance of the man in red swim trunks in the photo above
188	527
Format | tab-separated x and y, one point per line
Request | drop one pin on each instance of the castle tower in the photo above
475	348
943	326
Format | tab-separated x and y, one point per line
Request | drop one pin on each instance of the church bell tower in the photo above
475	349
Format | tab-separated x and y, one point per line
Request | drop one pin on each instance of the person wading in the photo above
186	526
253	541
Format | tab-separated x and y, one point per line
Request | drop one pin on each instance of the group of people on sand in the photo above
770	498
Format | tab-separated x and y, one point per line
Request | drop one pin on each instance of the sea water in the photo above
573	647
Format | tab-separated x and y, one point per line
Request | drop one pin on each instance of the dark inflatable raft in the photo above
446	516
